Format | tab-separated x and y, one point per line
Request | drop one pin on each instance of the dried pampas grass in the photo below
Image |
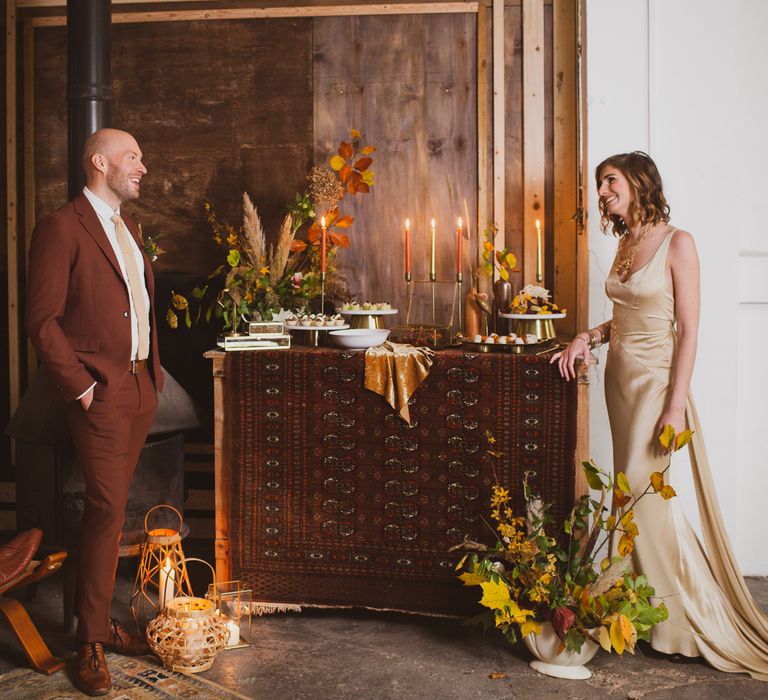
254	232
278	258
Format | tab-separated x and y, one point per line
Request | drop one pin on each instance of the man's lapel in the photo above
90	222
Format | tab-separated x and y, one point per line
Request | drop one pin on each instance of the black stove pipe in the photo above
89	79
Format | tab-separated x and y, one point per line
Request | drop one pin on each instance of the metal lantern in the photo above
188	633
162	574
233	605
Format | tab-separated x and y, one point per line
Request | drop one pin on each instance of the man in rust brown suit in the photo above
90	318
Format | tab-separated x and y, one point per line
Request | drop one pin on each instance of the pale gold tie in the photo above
135	286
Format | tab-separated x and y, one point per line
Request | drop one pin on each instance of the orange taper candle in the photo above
322	246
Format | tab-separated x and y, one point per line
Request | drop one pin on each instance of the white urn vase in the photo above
566	664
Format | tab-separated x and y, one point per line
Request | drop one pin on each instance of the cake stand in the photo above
366	318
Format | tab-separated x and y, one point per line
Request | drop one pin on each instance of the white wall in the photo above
685	80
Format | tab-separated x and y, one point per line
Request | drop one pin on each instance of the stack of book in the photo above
260	336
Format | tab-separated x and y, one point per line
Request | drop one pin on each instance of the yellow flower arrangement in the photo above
529	576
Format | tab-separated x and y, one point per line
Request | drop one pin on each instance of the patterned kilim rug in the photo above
336	501
132	679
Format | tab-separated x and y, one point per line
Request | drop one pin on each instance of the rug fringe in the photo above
259	608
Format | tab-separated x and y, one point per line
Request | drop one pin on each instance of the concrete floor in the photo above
347	654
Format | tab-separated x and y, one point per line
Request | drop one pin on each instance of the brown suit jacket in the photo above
78	310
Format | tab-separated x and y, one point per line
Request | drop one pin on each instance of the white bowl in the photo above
359	338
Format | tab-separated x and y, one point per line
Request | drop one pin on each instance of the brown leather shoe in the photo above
91	674
121	641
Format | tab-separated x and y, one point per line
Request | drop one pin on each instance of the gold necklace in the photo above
625	255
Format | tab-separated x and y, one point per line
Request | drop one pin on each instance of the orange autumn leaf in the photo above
345	150
339	239
368	149
657	481
345	221
355	134
297	245
620	498
344	173
668	492
363	164
330	217
497	675
363	187
626	627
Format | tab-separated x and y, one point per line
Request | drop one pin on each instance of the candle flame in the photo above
322	222
538	223
407	223
433	223
459	222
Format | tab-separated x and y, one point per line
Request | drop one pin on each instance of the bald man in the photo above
91	321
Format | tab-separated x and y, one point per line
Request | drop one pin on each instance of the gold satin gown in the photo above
711	612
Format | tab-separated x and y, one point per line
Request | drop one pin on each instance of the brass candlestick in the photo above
459	334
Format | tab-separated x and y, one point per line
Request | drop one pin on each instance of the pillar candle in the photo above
407	247
458	248
323	244
432	260
166	592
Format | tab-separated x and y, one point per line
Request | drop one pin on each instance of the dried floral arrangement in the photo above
258	280
529	576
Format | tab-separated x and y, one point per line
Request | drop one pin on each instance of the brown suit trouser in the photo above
108	439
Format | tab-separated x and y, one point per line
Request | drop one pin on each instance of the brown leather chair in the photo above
18	568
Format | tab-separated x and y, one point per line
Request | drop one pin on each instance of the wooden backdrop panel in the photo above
218	108
408	82
513	142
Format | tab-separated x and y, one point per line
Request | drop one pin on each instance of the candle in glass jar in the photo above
234	630
322	246
432	257
407	247
458	248
166	587
539	276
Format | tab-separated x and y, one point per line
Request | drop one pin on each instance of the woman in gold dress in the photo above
654	287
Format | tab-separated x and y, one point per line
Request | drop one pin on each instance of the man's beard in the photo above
121	186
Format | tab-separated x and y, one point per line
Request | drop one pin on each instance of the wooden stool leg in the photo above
35	648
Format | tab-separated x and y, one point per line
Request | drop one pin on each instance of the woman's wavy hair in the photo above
648	204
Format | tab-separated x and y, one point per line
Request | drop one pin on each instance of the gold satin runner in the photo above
395	371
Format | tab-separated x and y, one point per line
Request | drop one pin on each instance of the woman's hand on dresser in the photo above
566	359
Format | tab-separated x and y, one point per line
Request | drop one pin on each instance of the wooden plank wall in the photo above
416	101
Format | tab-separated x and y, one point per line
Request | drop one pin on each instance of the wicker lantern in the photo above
162	574
188	633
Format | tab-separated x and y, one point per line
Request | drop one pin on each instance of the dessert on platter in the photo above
532	301
367	308
314	321
512	342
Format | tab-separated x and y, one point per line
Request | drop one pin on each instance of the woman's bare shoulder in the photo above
682	246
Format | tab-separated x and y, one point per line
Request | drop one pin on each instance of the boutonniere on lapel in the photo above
150	245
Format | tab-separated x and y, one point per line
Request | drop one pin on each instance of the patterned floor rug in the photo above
132	679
